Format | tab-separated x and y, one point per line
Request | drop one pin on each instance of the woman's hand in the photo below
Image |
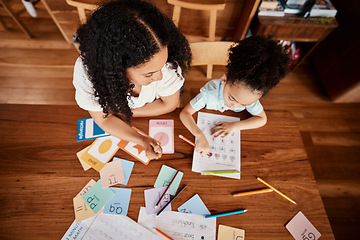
223	129
202	145
152	149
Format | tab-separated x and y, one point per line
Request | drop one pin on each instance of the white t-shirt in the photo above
85	92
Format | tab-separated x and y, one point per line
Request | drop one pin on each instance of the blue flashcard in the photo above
165	176
88	129
97	197
119	204
195	206
127	169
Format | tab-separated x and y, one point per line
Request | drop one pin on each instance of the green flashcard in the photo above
165	176
97	196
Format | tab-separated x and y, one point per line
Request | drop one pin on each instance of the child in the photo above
132	63
255	65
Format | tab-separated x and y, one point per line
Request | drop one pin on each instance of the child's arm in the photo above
223	129
159	106
202	145
118	128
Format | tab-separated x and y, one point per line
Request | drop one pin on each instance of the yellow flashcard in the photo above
82	211
84	165
226	233
100	152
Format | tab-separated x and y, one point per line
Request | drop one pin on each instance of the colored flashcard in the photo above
87	187
301	228
97	197
226	233
84	165
165	176
119	203
162	130
82	211
152	197
100	152
127	169
88	129
195	206
112	174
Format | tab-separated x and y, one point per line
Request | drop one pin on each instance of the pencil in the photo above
163	234
141	132
177	194
277	191
167	188
264	190
226	214
191	143
219	172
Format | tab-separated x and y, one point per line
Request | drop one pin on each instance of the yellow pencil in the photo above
163	234
277	191
264	190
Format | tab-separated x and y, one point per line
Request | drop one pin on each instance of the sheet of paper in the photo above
180	226
127	169
112	174
88	129
152	197
230	233
195	206
165	176
301	228
225	151
106	227
119	203
97	197
100	152
82	211
84	165
87	187
162	130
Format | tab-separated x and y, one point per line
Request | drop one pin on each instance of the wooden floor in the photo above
39	71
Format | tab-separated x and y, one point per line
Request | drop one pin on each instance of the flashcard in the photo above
162	130
87	187
100	152
165	176
82	211
226	233
119	203
301	228
88	129
97	197
112	174
84	165
195	206
152	197
127	169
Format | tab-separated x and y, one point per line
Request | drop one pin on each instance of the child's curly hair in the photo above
122	34
259	62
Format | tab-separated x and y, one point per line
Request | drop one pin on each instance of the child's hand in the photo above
222	129
152	149
202	145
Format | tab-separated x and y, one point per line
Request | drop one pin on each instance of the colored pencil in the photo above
277	191
191	143
219	172
264	190
167	188
177	194
226	214
163	234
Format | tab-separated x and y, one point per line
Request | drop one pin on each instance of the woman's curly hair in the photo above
259	62
122	34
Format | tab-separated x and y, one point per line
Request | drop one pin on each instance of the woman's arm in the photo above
120	129
158	107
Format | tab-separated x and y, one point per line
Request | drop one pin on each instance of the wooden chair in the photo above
82	7
210	53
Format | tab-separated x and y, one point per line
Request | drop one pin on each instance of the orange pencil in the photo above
163	234
191	143
264	190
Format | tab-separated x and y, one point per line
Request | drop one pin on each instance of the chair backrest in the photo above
178	4
82	7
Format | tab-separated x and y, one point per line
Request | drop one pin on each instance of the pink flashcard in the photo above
162	130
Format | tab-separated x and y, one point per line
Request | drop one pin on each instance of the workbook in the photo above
225	152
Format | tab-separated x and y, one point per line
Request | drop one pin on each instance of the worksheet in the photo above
180	226
225	151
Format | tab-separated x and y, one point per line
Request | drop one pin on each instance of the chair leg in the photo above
209	71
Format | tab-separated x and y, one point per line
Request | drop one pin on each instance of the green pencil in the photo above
218	172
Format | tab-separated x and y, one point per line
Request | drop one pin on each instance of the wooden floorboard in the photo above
39	71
